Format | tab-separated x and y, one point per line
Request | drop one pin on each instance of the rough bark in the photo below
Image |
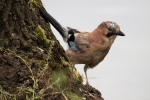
33	65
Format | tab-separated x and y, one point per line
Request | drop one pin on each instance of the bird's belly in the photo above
96	58
85	57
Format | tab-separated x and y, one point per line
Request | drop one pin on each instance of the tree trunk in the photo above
33	65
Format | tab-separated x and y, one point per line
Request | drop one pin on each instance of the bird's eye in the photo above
109	28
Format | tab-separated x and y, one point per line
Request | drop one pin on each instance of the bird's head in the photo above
112	29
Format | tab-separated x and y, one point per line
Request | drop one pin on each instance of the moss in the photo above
55	64
64	62
40	63
61	81
74	96
35	2
42	37
6	95
78	78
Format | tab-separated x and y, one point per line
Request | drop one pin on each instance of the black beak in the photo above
120	33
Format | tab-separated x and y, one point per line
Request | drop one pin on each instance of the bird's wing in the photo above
81	41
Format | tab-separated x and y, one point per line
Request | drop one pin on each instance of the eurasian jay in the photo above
89	48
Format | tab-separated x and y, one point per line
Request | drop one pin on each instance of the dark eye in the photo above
109	28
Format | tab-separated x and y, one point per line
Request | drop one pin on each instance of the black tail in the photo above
56	25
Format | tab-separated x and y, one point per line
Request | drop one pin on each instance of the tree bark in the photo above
33	65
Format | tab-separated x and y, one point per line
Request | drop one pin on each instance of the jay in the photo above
89	48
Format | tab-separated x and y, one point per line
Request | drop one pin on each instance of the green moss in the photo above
60	79
6	95
42	37
78	78
55	64
41	63
74	96
64	62
35	2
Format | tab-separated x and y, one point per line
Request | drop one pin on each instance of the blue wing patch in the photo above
73	46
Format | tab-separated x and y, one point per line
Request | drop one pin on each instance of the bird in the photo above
89	48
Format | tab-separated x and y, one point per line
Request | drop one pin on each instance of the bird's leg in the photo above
88	87
85	71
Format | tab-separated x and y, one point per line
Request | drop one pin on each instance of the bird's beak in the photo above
120	33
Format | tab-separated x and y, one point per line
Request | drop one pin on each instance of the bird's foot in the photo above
88	87
88	91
